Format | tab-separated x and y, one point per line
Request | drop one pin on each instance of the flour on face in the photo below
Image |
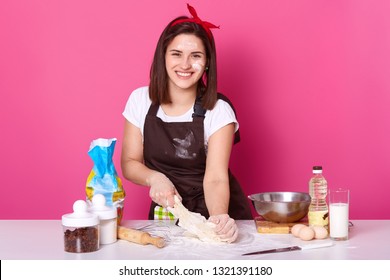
182	145
198	66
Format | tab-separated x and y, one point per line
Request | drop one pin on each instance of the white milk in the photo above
338	219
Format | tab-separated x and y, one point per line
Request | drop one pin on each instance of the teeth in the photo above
183	74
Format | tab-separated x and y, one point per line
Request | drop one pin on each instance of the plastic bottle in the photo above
318	189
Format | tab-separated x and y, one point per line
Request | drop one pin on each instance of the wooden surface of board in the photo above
265	227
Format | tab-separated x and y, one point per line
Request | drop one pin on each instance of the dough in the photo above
194	223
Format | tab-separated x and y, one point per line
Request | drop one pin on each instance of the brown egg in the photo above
320	232
306	233
296	228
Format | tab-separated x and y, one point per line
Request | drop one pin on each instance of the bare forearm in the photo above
162	190
216	180
136	172
217	197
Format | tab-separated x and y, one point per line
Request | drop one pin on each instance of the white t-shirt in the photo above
139	102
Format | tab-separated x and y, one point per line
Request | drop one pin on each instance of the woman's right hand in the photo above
162	190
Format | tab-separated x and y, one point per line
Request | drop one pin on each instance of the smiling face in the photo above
185	61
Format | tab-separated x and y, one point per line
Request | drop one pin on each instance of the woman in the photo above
179	131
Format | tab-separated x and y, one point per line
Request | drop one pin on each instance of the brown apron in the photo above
177	150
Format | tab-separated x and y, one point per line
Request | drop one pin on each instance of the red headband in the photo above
205	24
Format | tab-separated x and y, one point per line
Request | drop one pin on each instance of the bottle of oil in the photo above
318	189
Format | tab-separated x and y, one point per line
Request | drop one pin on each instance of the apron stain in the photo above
182	145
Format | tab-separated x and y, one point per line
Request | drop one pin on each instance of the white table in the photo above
43	240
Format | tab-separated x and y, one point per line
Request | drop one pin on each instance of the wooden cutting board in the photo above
264	226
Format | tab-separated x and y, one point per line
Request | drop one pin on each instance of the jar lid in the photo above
80	216
100	208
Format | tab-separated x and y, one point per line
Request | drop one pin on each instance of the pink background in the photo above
309	79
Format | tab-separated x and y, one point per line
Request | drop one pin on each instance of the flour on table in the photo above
195	224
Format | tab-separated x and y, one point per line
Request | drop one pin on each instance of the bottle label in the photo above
318	218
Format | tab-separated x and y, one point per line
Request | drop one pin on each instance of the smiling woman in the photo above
179	131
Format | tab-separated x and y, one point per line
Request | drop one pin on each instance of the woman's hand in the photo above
226	227
162	190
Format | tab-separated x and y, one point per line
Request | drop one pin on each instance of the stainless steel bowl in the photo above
281	207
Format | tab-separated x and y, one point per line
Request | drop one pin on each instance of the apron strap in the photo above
153	110
199	111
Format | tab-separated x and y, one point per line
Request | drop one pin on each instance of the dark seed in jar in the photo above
81	240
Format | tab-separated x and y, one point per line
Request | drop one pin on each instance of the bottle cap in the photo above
80	216
317	169
99	208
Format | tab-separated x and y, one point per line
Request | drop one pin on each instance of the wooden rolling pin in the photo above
139	237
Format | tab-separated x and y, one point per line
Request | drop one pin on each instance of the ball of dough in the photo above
296	228
306	233
320	232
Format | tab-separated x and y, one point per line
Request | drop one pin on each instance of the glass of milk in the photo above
338	214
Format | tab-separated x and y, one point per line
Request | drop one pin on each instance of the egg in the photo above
296	228
320	232
306	233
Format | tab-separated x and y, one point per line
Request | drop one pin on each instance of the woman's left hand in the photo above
226	227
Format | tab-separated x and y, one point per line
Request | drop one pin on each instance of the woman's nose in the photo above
186	63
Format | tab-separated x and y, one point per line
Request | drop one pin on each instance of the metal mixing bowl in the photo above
281	207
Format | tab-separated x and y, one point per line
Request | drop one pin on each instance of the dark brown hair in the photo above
207	85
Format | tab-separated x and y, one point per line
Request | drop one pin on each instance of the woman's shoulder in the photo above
224	100
140	92
140	95
223	103
223	108
137	106
222	114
